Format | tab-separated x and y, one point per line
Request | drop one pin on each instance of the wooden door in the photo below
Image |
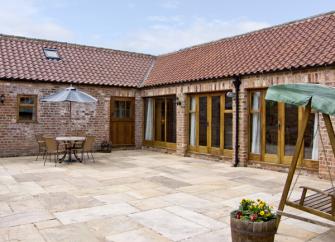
211	114
279	128
122	127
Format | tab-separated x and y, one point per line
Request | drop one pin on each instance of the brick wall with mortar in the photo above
325	76
18	138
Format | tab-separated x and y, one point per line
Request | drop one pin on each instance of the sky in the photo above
148	26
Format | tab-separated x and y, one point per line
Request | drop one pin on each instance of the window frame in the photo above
45	50
155	142
113	109
279	159
209	149
18	105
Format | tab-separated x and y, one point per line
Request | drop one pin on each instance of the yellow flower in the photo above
261	213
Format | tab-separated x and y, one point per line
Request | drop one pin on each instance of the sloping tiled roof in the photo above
24	59
305	43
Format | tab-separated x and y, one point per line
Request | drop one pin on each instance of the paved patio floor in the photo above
136	196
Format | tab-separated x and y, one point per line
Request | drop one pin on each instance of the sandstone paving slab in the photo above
70	233
56	185
24	233
269	184
83	182
31	188
170	170
114	225
62	201
237	174
25	205
38	176
168	182
145	193
294	232
115	198
149	203
139	235
4	189
186	200
168	224
123	164
143	185
47	224
27	217
216	211
223	235
307	226
86	214
325	237
121	181
7	180
197	218
12	197
5	209
200	188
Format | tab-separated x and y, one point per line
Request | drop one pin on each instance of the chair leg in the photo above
37	155
45	158
82	156
92	156
56	159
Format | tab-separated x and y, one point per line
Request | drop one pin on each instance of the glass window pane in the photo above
291	128
149	119
171	120
27	100
271	129
228	131
311	138
192	120
26	114
216	130
116	109
255	101
127	111
228	102
255	131
160	119
203	121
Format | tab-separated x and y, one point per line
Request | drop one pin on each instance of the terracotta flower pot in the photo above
247	231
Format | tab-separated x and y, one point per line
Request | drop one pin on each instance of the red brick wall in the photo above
53	118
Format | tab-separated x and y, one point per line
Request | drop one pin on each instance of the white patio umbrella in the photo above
70	95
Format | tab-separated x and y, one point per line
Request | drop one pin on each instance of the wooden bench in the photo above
321	203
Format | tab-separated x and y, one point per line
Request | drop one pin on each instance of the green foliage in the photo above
254	211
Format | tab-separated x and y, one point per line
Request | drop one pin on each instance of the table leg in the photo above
75	155
62	158
70	154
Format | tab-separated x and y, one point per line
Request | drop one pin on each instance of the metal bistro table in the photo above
70	143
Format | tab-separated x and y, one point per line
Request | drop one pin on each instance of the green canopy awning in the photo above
322	97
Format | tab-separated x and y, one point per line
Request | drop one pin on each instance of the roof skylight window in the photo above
51	53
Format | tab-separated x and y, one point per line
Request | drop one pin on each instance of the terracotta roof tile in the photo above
23	58
304	43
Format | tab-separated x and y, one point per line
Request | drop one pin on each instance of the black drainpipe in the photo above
237	83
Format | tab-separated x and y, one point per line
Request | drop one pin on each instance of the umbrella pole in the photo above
70	115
